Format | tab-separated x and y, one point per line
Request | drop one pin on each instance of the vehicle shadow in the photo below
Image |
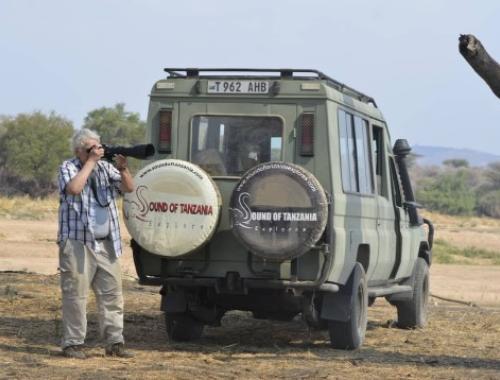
239	334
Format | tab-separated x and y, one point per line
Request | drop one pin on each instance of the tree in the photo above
488	191
449	192
489	204
456	163
32	146
116	126
478	58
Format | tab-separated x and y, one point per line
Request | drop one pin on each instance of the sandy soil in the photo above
27	245
460	342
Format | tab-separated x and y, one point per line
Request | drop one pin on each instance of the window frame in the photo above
366	126
383	191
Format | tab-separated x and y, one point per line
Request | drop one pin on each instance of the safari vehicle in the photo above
276	192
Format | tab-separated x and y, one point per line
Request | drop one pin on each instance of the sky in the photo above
75	56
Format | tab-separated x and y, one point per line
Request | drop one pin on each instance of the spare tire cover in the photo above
174	208
278	210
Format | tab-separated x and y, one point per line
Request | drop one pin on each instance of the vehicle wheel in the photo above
275	315
183	327
350	334
413	313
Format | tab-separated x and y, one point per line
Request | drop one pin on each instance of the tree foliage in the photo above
456	163
448	192
32	145
116	126
457	188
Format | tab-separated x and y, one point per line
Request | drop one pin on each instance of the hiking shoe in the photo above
74	352
118	349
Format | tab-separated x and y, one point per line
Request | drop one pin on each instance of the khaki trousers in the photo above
82	268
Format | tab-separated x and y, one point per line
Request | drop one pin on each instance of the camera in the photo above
141	151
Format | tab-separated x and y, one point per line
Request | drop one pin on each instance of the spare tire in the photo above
278	210
174	208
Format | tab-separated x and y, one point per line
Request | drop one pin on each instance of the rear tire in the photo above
349	335
413	313
183	327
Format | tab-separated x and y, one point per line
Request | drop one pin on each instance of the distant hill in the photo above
435	155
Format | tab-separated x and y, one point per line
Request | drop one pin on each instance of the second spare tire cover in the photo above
174	208
278	210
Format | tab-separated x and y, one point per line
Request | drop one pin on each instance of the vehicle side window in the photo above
346	159
363	156
356	167
378	159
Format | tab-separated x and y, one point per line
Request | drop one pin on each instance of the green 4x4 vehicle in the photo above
276	192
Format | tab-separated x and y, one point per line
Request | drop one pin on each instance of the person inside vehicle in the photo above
90	244
211	161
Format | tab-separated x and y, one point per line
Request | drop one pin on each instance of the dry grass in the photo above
459	343
466	240
28	208
459	239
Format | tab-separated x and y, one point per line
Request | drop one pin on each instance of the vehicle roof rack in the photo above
283	73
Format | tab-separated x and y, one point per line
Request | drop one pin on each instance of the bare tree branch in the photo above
479	59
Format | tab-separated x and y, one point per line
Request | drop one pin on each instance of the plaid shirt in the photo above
77	211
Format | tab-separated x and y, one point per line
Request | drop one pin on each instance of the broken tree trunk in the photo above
479	59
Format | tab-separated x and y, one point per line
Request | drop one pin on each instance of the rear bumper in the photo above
222	285
232	282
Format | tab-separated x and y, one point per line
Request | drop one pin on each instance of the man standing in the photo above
90	245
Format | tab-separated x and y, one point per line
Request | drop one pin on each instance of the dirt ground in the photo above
460	342
29	245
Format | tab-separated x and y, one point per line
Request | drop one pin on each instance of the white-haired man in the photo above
90	245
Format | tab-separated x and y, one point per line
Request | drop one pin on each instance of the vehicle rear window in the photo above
230	145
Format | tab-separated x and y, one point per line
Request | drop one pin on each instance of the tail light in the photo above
307	135
165	132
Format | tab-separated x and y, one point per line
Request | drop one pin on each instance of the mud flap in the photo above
338	306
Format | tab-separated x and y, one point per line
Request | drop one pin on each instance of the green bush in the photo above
32	146
448	192
489	204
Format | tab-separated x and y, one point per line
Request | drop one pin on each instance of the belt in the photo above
102	239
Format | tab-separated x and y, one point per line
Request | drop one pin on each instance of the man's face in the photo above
83	153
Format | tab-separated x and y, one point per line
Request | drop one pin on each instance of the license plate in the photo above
238	87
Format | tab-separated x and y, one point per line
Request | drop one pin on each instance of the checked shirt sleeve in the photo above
67	171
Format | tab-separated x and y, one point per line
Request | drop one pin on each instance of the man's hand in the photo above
120	162
122	166
96	153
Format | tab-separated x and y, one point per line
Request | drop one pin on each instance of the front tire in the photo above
349	335
413	313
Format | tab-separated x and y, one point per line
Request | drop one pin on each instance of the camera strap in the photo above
98	195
